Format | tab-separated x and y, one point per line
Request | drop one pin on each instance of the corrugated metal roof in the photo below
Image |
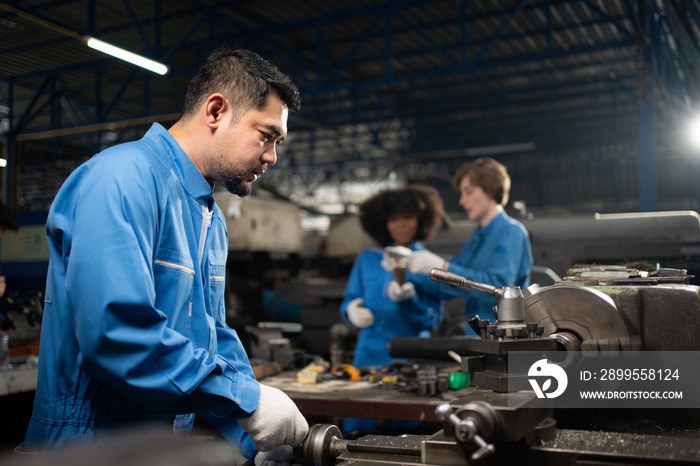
403	86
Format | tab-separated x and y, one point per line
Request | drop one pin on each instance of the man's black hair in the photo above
242	76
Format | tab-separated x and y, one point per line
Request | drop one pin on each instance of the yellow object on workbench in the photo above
350	370
310	373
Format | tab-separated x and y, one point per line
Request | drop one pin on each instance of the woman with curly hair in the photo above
375	302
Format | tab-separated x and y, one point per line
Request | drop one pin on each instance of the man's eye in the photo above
265	137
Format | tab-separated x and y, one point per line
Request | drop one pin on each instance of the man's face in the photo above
245	148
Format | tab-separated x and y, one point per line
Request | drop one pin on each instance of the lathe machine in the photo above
595	310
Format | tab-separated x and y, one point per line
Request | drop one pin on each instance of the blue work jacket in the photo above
134	325
369	281
498	254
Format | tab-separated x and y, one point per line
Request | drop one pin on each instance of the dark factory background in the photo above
588	103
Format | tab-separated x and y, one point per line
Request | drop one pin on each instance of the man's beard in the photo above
235	184
234	181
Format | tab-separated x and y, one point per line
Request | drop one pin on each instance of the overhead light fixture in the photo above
96	44
694	132
3	163
127	56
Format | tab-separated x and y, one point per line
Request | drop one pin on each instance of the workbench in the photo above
344	398
18	379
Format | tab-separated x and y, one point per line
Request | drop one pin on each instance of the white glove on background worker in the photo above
388	263
358	314
401	293
280	456
275	422
424	261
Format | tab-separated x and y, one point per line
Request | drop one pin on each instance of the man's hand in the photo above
358	315
401	293
275	422
424	261
3	286
280	456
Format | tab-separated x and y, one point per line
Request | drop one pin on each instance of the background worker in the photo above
134	329
498	252
8	221
375	302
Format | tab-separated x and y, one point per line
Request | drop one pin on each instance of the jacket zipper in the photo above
206	223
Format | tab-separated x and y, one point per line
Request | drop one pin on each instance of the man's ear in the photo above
214	107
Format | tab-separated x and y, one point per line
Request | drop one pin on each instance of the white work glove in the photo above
280	456
401	293
358	314
387	262
425	261
275	422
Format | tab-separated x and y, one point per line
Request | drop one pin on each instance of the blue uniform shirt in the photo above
498	254
369	281
134	321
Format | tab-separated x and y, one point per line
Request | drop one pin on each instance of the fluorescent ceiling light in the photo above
125	55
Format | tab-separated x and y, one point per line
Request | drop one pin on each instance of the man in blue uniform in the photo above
134	327
498	252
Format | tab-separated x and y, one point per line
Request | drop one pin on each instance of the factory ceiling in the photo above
567	93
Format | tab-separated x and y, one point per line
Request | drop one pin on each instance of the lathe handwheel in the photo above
318	449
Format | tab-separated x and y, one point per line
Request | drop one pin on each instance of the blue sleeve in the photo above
502	254
425	308
124	339
232	431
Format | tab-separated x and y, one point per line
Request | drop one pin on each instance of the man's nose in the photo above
270	155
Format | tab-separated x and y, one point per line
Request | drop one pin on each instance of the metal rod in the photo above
449	278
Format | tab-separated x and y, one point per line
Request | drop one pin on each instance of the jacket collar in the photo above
498	219
189	175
